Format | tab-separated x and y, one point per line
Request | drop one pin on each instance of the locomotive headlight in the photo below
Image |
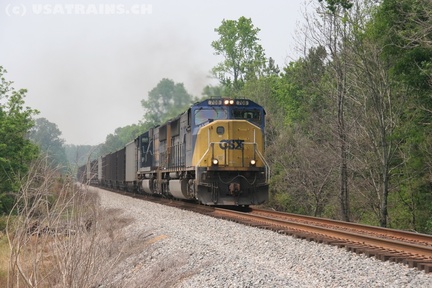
228	102
215	162
253	162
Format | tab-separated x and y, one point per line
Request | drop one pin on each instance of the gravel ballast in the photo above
176	248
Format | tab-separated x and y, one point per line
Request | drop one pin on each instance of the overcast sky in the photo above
87	66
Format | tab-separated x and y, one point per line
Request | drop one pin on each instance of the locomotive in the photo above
212	153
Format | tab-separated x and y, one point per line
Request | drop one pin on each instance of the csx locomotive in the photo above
213	153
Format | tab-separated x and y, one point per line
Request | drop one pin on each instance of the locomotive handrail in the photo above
202	158
266	165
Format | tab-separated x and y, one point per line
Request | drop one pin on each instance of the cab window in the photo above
204	115
252	115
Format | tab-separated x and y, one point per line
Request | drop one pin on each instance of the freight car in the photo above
212	153
88	173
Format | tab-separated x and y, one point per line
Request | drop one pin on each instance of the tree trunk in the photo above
343	161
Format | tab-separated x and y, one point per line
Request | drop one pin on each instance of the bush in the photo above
3	223
7	201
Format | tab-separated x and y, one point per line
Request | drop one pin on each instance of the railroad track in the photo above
412	249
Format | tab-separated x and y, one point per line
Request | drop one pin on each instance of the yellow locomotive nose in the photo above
229	163
229	144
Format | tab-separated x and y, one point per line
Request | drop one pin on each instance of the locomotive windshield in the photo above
205	115
247	114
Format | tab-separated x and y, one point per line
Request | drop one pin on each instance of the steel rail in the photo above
363	239
417	237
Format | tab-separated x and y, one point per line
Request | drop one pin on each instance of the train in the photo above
213	154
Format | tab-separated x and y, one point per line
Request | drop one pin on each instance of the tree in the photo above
300	92
16	150
331	32
402	29
334	5
214	91
47	136
271	68
301	155
165	101
381	105
408	39
244	56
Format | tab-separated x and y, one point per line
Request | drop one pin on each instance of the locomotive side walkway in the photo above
169	247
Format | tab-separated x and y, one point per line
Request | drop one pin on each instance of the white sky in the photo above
88	73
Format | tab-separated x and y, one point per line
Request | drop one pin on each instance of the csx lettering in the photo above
231	144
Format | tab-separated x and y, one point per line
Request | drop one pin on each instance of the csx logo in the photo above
231	144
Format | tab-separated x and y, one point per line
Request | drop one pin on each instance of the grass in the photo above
4	259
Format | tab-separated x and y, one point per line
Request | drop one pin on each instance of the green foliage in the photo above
410	206
282	202
331	210
214	91
333	5
165	101
244	57
3	224
411	203
428	225
406	44
271	68
7	201
387	49
16	151
299	90
47	136
403	30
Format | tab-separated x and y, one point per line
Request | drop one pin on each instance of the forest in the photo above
348	124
